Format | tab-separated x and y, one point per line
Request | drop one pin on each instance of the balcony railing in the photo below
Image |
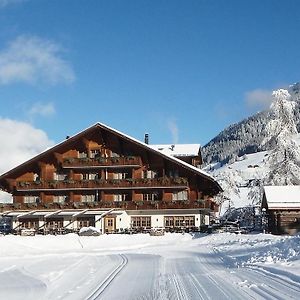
130	183
85	162
125	205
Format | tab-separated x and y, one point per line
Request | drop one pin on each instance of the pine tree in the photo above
284	160
230	182
255	191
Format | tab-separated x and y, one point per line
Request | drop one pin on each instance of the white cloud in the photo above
259	98
42	109
20	141
31	59
4	3
172	126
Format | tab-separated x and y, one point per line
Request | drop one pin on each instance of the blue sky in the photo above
179	70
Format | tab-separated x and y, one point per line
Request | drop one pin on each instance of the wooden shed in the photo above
282	206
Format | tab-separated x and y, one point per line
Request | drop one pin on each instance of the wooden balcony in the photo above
102	162
110	184
124	205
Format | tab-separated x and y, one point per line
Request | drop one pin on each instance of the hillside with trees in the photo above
247	136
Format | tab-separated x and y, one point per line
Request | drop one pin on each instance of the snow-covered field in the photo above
174	266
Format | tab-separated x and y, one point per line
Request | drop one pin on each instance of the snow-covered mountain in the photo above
236	140
260	150
246	136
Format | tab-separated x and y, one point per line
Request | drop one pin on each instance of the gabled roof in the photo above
282	196
178	149
122	135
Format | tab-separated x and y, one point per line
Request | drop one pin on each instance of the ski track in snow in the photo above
107	281
189	269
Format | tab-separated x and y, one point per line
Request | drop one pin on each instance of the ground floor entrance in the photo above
109	224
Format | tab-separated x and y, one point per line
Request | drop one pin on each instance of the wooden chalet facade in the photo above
104	178
282	207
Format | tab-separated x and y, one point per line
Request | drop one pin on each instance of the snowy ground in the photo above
174	266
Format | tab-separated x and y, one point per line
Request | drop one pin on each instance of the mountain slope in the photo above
238	139
245	137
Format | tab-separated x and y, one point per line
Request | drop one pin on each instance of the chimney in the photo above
146	138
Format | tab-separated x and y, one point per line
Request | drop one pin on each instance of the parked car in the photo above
5	228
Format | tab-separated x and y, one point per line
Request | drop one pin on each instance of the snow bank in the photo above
265	250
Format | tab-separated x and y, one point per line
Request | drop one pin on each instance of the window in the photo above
123	175
189	221
60	177
95	153
90	176
120	197
82	155
87	198
59	199
85	222
150	196
140	222
182	195
169	221
54	224
149	174
180	221
29	224
31	199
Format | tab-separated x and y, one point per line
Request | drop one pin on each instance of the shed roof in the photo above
285	197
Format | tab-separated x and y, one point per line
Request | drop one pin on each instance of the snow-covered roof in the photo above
178	149
283	196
